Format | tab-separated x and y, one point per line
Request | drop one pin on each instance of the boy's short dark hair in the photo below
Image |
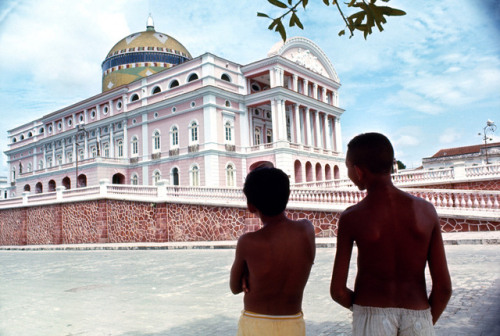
372	151
268	190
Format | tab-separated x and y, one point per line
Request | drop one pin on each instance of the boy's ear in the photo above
251	208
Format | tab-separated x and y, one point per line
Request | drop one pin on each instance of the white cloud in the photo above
449	136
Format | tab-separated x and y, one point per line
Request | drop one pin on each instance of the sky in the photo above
429	81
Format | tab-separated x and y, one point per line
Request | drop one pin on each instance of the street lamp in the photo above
490	126
79	130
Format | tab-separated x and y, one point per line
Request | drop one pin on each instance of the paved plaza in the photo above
186	292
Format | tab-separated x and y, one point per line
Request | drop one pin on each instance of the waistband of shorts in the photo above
297	316
390	310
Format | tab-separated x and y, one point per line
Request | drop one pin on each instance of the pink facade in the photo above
203	122
111	221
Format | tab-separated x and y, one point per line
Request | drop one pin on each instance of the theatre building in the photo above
202	121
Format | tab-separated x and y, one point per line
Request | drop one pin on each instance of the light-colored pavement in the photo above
185	291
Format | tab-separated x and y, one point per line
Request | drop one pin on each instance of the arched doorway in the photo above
309	172
328	172
336	172
298	171
66	182
319	176
39	188
82	181
118	178
258	164
27	187
52	185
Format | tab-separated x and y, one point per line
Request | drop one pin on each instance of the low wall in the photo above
118	221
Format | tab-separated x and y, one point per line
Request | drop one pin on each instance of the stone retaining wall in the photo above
112	221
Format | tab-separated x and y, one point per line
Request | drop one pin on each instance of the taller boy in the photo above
396	235
272	265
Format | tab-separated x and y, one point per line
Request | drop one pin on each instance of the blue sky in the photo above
431	80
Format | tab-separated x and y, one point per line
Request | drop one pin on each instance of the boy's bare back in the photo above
275	262
393	232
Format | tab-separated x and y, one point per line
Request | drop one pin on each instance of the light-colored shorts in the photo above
253	324
375	321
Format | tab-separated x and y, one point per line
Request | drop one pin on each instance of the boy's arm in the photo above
239	271
438	268
338	287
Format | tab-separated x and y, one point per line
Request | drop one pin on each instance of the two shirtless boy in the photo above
396	235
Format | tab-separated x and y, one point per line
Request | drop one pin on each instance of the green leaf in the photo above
304	3
326	2
281	29
277	3
262	15
342	32
273	24
289	2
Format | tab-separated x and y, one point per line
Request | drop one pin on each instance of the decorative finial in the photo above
150	24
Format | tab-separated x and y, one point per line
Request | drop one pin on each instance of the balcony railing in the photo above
448	202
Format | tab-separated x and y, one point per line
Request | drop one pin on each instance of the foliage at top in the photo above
364	20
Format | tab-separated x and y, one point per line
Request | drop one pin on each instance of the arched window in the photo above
134	97
81	155
175	136
134	180
39	188
192	77
228	128
174	176
106	150
94	151
174	83
225	77
156	90
135	146
230	178
49	162
156	141
120	148
27	187
319	176
298	171
195	176
66	182
156	177
29	167
194	132
257	136
40	164
69	157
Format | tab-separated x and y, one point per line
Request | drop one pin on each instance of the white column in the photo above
274	120
86	146
324	98
145	141
272	81
111	108
74	147
306	87
318	130
54	154
329	133
125	139
250	123
308	127
338	136
282	119
295	83
111	141
63	155
315	91
297	124
45	156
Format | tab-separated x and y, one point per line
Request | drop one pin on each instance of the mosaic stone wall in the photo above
110	221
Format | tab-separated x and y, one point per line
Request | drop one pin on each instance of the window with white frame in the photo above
230	178
174	136
93	150
156	141
29	167
59	159
193	127
228	129
49	162
69	157
120	148
106	150
134	180
195	176
40	164
256	137
269	136
135	146
156	177
81	155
